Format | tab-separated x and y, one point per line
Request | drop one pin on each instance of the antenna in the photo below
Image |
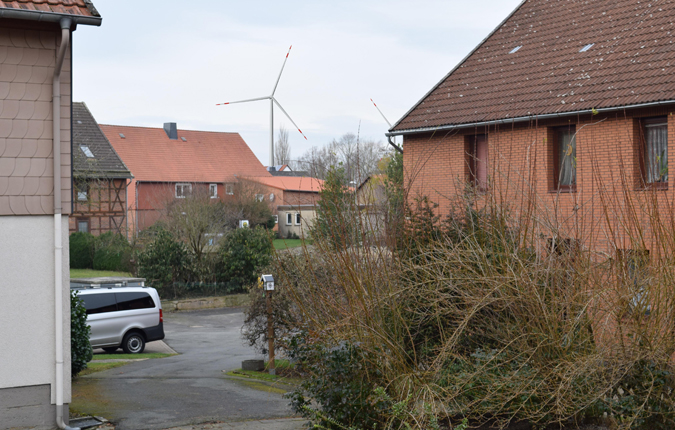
273	101
392	143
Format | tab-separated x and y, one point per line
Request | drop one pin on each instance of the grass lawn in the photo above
93	367
265	376
130	356
289	243
88	273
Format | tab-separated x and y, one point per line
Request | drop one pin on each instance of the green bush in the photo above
112	252
243	253
165	263
80	347
82	250
341	381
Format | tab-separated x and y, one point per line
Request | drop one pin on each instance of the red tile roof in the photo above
204	157
67	7
631	62
291	183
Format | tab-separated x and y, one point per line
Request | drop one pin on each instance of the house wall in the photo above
27	374
147	200
307	216
105	208
521	170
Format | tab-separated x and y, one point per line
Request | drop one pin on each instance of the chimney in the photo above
171	130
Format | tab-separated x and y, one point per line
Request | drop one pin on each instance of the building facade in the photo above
35	201
100	179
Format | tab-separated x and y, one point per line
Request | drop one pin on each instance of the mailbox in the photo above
268	282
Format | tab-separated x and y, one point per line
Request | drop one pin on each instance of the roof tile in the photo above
68	7
204	157
291	183
633	50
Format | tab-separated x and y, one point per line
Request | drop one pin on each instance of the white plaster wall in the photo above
27	302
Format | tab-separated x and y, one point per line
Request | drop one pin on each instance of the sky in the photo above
160	61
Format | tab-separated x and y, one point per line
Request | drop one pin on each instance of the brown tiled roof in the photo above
631	62
105	162
203	157
67	7
290	183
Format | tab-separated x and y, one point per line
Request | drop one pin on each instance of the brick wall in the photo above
521	169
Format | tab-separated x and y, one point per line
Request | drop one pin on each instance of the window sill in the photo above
563	191
656	186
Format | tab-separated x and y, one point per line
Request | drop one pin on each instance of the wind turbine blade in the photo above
289	117
378	109
244	101
282	71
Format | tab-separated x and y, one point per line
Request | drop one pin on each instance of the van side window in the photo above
99	303
129	301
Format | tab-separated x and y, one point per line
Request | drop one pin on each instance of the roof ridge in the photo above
160	128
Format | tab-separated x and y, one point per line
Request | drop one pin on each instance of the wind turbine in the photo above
396	147
273	101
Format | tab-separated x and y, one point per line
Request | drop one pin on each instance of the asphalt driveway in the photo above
189	388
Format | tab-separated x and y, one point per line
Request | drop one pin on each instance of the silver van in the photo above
122	317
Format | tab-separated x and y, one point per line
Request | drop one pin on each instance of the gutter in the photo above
525	118
66	22
35	15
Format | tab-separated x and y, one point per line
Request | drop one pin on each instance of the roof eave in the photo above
524	118
40	16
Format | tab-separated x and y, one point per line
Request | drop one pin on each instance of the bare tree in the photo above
358	157
282	150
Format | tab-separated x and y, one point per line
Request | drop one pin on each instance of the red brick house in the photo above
100	179
562	99
168	164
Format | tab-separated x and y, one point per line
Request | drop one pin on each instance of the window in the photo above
83	225
99	303
260	197
654	151
272	197
477	161
82	191
289	219
565	158
183	190
87	151
213	191
276	219
297	219
131	301
229	189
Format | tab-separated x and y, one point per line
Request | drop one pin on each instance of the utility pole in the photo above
268	284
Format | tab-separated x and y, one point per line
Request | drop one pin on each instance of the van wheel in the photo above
133	343
111	349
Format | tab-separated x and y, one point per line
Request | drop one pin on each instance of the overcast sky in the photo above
158	61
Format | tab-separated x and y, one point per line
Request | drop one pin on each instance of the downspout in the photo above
66	23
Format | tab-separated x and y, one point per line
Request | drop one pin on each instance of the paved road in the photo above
189	388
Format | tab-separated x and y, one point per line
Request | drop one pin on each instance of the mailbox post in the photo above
268	286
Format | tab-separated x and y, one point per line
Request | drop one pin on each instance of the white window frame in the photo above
289	218
298	218
260	197
213	191
229	189
182	185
